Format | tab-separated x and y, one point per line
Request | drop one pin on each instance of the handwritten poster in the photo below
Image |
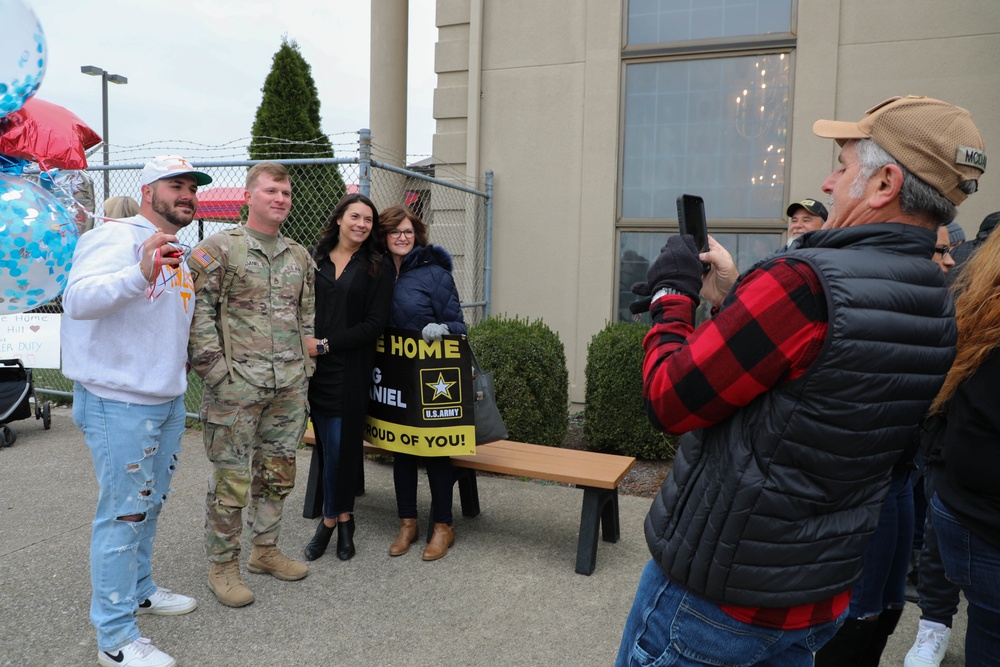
31	337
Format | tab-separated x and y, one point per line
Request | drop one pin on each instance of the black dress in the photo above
351	313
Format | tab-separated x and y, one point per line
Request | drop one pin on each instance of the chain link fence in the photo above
459	218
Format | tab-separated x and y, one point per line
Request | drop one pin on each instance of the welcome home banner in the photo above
421	395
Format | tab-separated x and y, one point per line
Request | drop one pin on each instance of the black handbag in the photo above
489	423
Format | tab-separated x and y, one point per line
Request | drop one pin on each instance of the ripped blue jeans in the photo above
135	449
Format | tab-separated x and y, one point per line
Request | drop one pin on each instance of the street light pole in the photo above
105	77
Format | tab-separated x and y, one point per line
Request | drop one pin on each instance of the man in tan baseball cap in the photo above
795	402
910	160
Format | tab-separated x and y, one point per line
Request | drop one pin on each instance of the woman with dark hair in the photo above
425	299
353	297
965	508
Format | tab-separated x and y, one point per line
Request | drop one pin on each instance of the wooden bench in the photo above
597	474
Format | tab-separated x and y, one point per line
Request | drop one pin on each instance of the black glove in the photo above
678	267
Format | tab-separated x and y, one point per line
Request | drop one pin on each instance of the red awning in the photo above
220	203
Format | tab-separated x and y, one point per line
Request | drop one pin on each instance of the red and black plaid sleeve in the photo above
771	333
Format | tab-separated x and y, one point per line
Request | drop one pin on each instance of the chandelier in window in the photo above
760	114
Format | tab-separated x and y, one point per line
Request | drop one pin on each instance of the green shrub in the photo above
529	369
615	417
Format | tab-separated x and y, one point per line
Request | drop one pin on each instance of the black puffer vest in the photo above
773	507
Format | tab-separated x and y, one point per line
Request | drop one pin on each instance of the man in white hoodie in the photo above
128	306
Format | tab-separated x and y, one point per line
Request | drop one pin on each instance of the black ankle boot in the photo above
345	539
318	544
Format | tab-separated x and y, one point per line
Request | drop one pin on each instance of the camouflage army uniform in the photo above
254	418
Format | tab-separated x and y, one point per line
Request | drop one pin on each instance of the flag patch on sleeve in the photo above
201	257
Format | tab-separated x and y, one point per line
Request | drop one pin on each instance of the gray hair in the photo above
915	196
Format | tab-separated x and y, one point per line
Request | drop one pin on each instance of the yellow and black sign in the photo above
421	396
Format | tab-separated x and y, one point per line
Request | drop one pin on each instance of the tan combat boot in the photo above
441	541
407	535
225	581
267	559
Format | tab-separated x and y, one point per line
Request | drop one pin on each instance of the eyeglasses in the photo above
942	250
396	232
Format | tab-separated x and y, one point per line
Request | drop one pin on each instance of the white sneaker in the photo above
930	647
140	653
166	603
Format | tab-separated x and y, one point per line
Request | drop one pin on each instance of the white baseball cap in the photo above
165	166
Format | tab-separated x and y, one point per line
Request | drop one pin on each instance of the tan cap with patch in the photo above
936	141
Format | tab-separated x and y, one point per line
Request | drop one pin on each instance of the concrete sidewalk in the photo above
506	594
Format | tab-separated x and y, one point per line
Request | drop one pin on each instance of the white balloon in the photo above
38	235
23	55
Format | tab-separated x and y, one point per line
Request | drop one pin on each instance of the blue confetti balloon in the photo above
23	55
38	235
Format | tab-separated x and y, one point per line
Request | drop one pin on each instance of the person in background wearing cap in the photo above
128	305
804	216
251	342
796	400
963	251
948	237
956	234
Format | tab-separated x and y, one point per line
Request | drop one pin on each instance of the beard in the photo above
170	214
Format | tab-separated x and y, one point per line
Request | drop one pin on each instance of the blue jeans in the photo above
327	431
669	626
887	557
938	596
135	449
975	566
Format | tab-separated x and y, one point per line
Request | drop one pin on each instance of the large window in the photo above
706	100
714	127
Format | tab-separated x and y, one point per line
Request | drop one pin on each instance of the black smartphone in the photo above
691	219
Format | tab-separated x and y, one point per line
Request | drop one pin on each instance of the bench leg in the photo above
468	491
600	511
314	487
610	528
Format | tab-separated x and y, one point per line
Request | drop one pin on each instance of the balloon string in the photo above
67	198
162	275
155	287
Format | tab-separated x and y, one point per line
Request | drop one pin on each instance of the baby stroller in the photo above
16	390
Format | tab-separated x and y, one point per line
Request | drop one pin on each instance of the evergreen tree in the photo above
287	125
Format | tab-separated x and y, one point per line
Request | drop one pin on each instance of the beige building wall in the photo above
546	121
853	54
548	128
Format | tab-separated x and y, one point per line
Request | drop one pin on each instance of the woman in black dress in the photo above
353	298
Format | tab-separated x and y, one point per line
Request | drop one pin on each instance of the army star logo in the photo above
440	387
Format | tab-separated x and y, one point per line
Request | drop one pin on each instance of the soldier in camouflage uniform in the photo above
251	341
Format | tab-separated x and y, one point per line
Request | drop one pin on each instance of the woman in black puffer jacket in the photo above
424	299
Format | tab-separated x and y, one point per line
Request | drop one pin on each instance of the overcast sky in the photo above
195	67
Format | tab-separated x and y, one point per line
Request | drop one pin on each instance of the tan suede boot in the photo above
267	559
225	581
408	534
441	541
